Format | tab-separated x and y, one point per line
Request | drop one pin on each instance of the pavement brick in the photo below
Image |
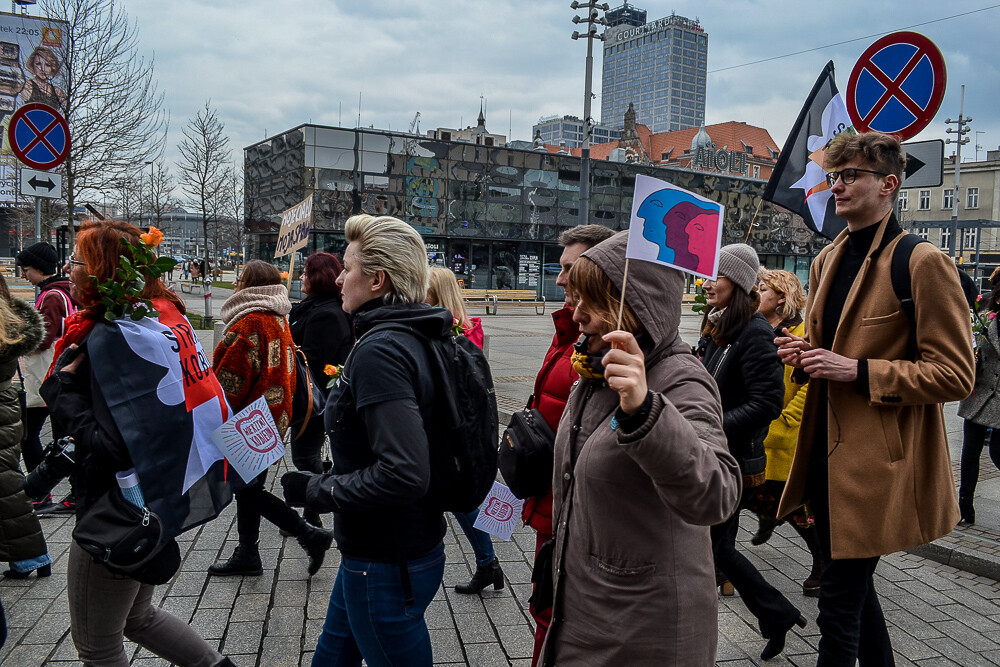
937	613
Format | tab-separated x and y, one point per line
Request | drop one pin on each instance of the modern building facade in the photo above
492	214
927	212
659	66
568	131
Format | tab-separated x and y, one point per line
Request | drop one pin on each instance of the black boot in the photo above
810	587
967	510
315	541
765	528
776	644
245	561
484	576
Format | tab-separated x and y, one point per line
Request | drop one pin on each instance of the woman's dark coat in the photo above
751	383
323	331
20	535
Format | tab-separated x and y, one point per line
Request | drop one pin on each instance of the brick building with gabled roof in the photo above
732	147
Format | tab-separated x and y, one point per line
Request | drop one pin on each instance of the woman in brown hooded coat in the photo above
641	471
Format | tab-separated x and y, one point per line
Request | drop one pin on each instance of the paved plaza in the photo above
939	614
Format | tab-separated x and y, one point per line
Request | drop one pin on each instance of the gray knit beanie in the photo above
739	263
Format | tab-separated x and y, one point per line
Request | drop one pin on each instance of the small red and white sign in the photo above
250	440
500	512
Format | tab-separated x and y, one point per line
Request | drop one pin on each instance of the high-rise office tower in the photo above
659	66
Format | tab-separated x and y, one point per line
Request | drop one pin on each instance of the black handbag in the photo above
541	576
308	400
526	453
127	539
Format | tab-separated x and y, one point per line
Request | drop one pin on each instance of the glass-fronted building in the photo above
492	214
660	67
568	131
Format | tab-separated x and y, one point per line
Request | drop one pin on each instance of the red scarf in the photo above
75	327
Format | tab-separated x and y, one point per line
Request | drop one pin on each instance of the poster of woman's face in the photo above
675	227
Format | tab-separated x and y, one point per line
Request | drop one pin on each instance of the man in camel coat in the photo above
872	457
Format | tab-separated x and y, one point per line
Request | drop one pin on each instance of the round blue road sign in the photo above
39	136
897	85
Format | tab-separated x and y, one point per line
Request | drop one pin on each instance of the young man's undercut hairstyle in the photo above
880	152
588	235
393	246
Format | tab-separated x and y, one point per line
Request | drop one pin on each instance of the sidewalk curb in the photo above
959	550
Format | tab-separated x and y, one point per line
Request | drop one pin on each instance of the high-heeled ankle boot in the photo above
43	571
810	587
765	529
776	644
967	510
484	576
316	542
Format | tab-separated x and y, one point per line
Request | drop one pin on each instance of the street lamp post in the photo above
592	20
961	139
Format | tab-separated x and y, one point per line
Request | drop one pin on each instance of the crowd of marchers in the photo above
821	412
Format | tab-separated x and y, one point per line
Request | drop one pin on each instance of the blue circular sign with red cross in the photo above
897	85
39	136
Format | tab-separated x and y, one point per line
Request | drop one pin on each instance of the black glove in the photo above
294	484
58	461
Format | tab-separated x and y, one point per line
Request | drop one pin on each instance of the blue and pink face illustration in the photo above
685	231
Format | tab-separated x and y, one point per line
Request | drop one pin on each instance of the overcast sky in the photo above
269	66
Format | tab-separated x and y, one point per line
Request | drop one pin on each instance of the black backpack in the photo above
903	289
463	449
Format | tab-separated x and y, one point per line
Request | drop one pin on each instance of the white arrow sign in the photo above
41	184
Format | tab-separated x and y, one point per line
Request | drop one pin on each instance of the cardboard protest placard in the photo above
250	440
674	227
295	226
500	512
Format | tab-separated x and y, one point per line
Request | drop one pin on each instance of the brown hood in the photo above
653	291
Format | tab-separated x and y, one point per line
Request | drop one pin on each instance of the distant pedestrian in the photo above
981	409
739	352
255	359
443	292
641	472
38	264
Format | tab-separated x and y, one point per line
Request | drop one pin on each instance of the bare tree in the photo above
114	110
235	226
161	194
204	156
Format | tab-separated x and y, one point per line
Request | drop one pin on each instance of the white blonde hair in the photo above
390	245
443	291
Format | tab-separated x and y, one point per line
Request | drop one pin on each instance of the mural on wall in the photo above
474	191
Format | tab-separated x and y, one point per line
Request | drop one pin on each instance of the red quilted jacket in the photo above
552	387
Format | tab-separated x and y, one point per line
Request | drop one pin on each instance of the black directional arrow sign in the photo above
36	183
924	164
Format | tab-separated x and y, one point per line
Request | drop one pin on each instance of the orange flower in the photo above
331	370
153	237
284	275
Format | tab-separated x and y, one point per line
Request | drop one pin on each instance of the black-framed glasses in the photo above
849	175
73	261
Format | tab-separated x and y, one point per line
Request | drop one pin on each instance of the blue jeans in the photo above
482	543
368	616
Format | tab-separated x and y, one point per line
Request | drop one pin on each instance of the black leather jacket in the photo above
751	383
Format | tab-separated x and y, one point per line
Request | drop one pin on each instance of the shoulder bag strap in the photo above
309	389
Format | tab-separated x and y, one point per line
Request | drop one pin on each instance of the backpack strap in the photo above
902	285
309	392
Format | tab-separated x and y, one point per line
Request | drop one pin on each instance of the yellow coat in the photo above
784	431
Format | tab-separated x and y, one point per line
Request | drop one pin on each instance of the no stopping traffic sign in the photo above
39	136
897	85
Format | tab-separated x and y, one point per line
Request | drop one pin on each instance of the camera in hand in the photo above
58	460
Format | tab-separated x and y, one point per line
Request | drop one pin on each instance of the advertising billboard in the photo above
32	54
